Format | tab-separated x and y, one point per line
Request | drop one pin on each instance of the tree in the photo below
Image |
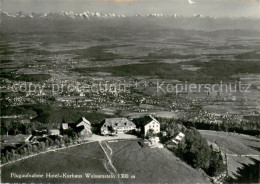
7	126
11	156
30	149
16	131
216	164
69	132
51	142
224	127
21	151
25	151
47	143
15	155
7	156
28	131
35	149
3	159
41	146
196	151
62	142
75	139
150	133
57	142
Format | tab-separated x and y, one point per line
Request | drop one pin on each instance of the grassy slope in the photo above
148	165
57	162
152	165
233	143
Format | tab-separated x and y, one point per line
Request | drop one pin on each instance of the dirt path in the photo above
237	155
111	151
109	161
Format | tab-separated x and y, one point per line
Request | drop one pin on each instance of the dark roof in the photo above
72	125
84	120
143	121
79	129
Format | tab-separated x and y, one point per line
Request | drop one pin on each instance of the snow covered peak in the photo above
94	15
197	15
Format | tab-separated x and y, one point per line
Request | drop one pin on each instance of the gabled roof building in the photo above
148	122
116	125
82	127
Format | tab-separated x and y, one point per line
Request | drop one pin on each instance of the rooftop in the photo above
118	122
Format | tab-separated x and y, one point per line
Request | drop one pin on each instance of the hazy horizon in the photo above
217	8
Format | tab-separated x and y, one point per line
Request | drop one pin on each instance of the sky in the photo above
217	8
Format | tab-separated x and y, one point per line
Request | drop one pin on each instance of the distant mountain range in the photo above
89	15
21	21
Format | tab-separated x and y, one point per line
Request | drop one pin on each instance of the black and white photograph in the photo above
130	91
